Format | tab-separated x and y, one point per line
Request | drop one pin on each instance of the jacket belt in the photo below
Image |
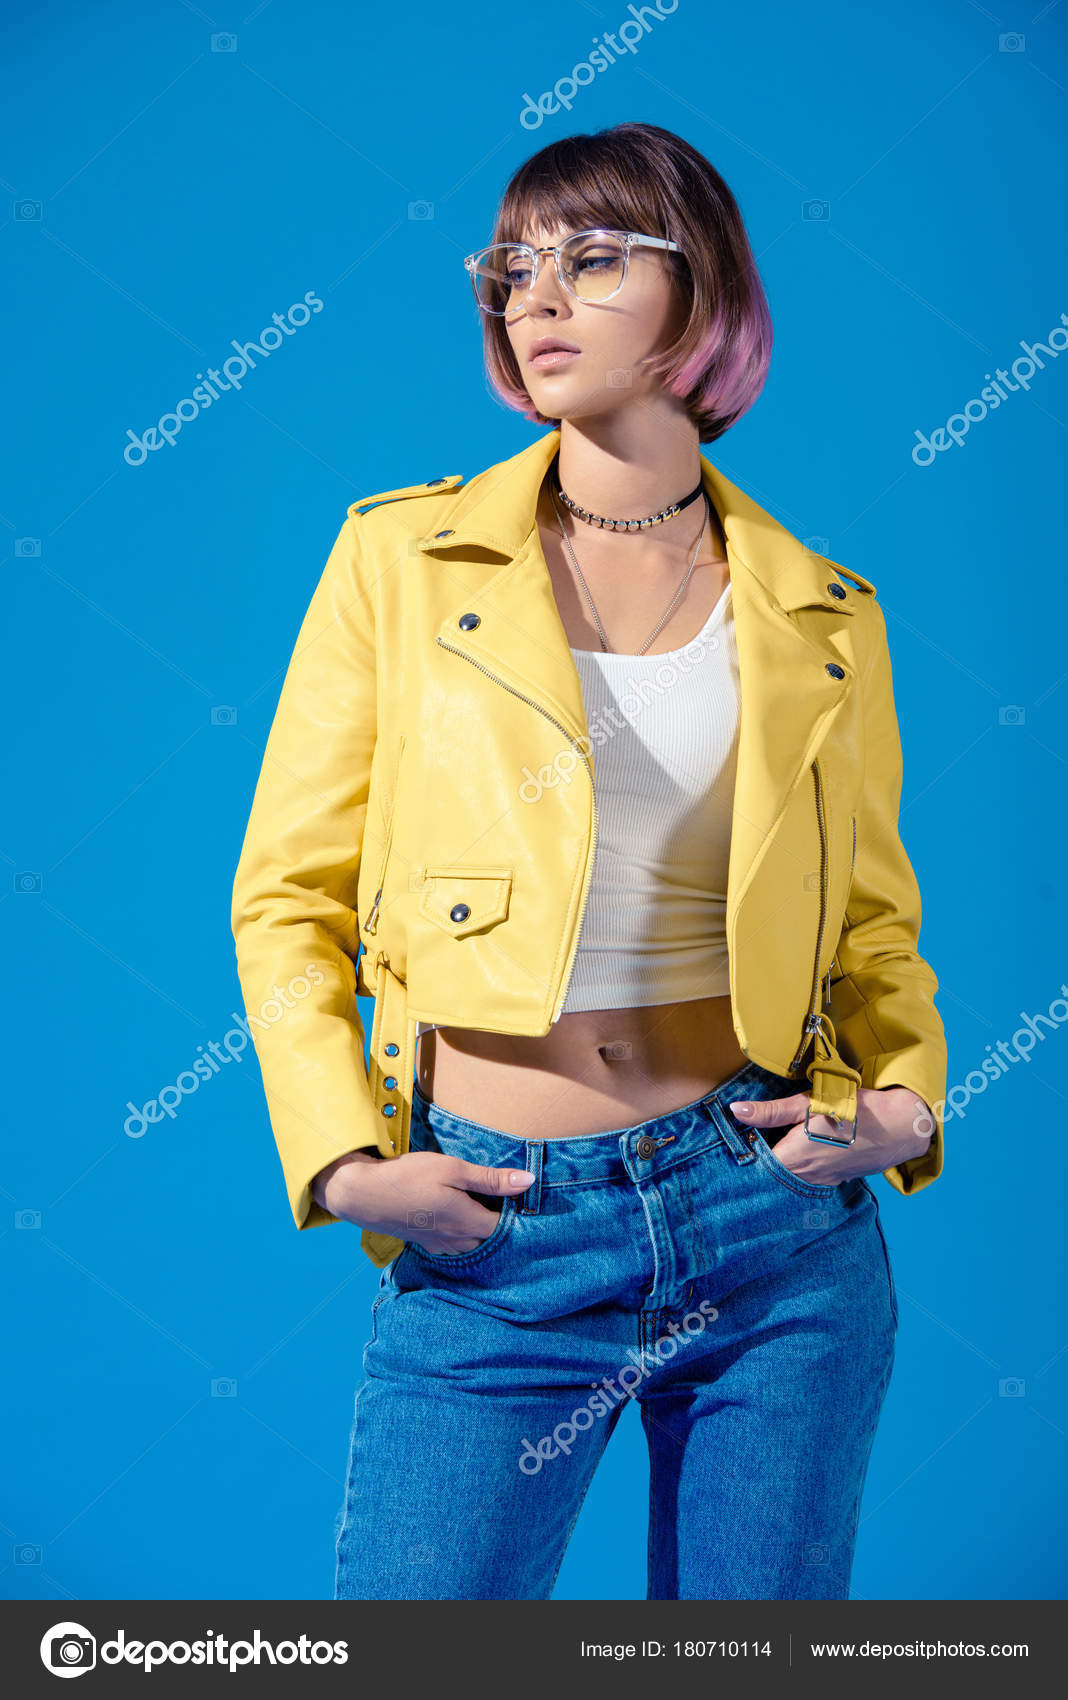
834	1086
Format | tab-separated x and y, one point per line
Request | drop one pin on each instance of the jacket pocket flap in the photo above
462	900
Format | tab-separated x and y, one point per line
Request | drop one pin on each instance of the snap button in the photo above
468	622
837	590
392	1050
835	671
443	533
391	1082
459	912
389	1109
645	1146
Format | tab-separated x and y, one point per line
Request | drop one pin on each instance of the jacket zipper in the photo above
813	1018
834	959
587	876
371	923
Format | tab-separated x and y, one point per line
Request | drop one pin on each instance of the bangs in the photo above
578	188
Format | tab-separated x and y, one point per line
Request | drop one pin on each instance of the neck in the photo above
628	467
629	463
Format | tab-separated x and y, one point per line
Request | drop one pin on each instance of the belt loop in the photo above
738	1140
529	1202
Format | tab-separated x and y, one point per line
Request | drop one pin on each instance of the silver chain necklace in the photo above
593	609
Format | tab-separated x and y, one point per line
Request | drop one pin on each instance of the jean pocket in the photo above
505	1222
787	1178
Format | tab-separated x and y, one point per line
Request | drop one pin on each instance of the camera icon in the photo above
617	1051
811	882
1011	1387
27	548
420	209
422	1219
224	1387
816	1553
817	545
27	882
421	1554
818	1218
820	210
27	1219
70	1647
224	42
27	210
26	1554
1012	43
619	378
224	715
1011	714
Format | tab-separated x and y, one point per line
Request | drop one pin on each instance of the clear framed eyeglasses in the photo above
590	264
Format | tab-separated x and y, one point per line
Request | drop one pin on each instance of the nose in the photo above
545	293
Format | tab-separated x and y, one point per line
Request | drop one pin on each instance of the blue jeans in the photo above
677	1262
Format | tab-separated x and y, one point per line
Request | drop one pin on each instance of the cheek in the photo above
619	340
650	321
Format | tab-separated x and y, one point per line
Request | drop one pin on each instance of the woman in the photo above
626	918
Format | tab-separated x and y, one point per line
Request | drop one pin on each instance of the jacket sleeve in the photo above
294	895
882	1004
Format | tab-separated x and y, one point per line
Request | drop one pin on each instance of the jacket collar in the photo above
496	511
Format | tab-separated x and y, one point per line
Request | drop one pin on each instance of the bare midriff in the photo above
595	1070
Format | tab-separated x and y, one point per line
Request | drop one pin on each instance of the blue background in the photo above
186	195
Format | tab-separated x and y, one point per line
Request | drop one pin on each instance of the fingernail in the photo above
742	1109
518	1176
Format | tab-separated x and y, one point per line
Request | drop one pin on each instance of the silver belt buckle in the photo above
829	1138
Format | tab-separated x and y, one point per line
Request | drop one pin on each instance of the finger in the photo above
484	1177
770	1112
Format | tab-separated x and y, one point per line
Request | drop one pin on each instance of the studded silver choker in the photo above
622	524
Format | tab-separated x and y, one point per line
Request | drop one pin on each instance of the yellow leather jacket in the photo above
431	681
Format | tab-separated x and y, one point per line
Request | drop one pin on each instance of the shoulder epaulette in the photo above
433	486
859	580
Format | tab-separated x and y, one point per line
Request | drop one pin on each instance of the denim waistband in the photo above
600	1156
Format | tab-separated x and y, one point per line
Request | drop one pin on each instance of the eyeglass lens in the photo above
591	267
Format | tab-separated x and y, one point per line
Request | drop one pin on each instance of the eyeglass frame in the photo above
630	238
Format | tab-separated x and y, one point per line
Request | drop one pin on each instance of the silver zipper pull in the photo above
372	919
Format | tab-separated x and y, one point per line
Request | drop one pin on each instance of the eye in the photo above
595	262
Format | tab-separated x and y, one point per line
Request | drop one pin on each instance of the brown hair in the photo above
642	178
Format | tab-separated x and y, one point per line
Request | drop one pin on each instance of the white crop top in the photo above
664	740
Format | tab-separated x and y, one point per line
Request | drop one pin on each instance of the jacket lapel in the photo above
788	628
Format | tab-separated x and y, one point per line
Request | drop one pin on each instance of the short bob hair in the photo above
642	178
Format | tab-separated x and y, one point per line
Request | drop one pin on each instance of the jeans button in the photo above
645	1146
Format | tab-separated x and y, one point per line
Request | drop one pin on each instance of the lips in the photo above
547	351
